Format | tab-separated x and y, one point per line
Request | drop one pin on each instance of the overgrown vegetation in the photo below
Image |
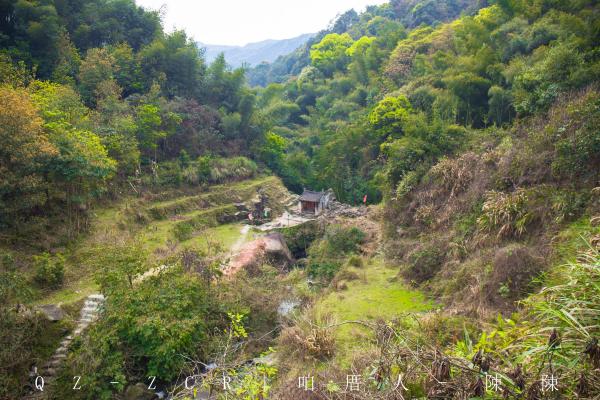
475	124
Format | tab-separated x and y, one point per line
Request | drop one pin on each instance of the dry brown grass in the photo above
308	339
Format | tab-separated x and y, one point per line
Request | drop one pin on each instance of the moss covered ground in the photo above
378	294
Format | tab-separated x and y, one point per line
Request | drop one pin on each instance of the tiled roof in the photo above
313	197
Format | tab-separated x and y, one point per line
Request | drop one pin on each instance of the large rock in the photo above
52	312
277	251
270	248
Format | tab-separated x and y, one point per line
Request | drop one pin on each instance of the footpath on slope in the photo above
88	314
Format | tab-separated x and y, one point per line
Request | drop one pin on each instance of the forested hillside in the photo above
104	95
410	13
479	136
380	100
465	132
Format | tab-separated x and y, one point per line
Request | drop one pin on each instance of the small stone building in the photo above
312	202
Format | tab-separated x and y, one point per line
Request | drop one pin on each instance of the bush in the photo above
506	212
340	280
308	340
424	263
578	145
344	240
324	271
203	169
299	238
49	270
232	169
169	174
356	261
154	326
514	268
183	231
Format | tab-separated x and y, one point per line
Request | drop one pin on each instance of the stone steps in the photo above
89	313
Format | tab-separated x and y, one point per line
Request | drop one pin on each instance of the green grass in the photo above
226	235
377	295
70	293
573	238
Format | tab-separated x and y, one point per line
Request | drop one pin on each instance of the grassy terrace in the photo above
154	220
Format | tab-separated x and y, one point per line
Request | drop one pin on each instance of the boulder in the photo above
277	251
52	312
271	248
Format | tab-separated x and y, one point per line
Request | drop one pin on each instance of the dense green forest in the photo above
103	93
379	100
469	127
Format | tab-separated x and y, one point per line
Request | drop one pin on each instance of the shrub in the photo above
203	169
308	340
49	270
344	240
299	238
408	182
340	280
578	147
512	214
190	175
514	268
324	271
154	325
356	261
455	175
506	212
424	263
169	174
183	231
231	169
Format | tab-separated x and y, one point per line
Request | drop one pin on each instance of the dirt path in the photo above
285	221
238	253
237	246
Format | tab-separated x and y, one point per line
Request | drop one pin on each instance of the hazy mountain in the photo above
255	53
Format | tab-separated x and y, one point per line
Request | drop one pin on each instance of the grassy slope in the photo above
377	295
115	223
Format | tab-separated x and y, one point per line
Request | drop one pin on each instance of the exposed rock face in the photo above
277	251
52	312
270	248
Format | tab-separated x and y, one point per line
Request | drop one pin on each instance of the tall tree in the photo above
24	151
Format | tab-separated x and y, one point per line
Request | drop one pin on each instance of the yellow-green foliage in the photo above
511	214
236	168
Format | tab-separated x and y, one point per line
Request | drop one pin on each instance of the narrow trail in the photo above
88	314
237	246
235	252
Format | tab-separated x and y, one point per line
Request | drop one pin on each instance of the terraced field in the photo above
166	223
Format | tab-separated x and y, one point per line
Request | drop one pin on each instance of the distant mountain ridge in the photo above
255	53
